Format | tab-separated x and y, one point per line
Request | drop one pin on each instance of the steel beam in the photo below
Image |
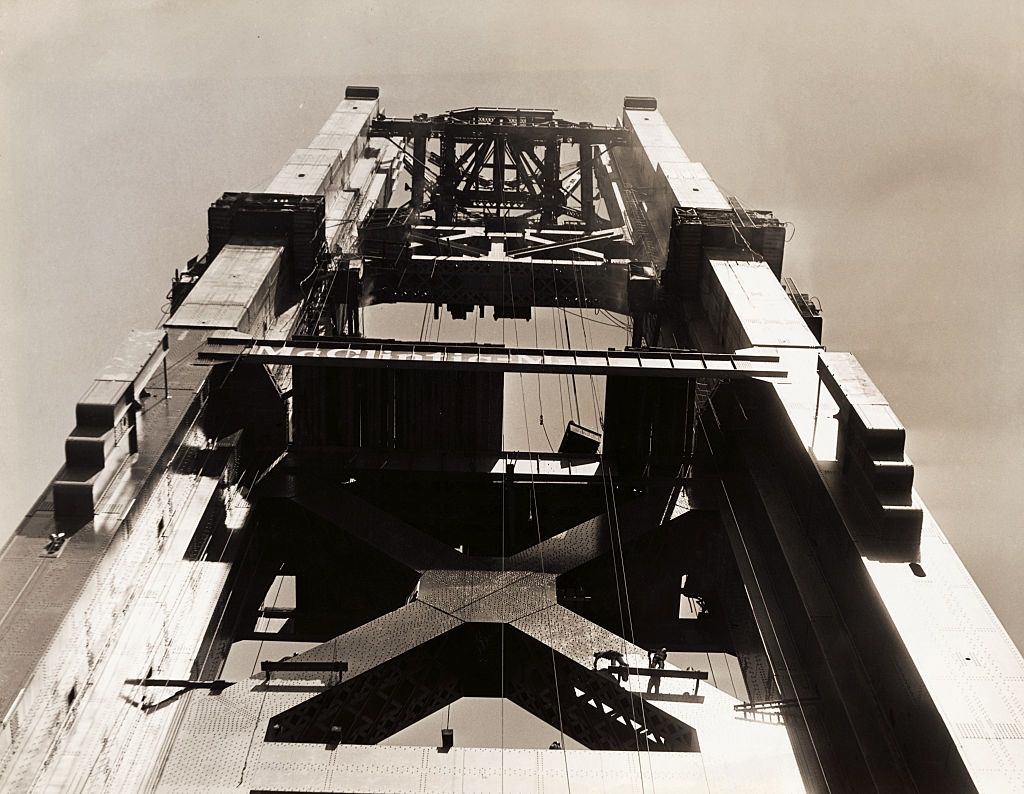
587	183
693	675
444	202
470	132
398	355
419	165
302	666
214	686
507	467
551	184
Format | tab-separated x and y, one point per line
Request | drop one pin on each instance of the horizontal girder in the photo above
463	132
492	282
455	357
506	467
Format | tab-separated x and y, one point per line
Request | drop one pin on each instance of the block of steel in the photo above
295	221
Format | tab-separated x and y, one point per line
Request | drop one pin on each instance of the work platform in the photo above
287	556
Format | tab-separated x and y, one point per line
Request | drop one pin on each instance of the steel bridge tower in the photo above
321	503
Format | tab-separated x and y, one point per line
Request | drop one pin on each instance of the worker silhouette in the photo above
614	659
656	661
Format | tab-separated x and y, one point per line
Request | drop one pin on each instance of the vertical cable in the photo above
771	623
618	596
625	590
554	666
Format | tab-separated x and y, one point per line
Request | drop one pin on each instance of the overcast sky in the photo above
889	133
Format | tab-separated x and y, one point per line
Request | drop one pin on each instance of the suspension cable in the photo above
563	378
554	666
771	623
581	296
625	591
618	597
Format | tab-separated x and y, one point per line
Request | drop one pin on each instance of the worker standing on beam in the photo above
656	661
615	659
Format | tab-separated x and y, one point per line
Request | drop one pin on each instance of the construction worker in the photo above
615	659
656	661
56	541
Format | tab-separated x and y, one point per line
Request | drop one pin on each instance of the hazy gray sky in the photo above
889	133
